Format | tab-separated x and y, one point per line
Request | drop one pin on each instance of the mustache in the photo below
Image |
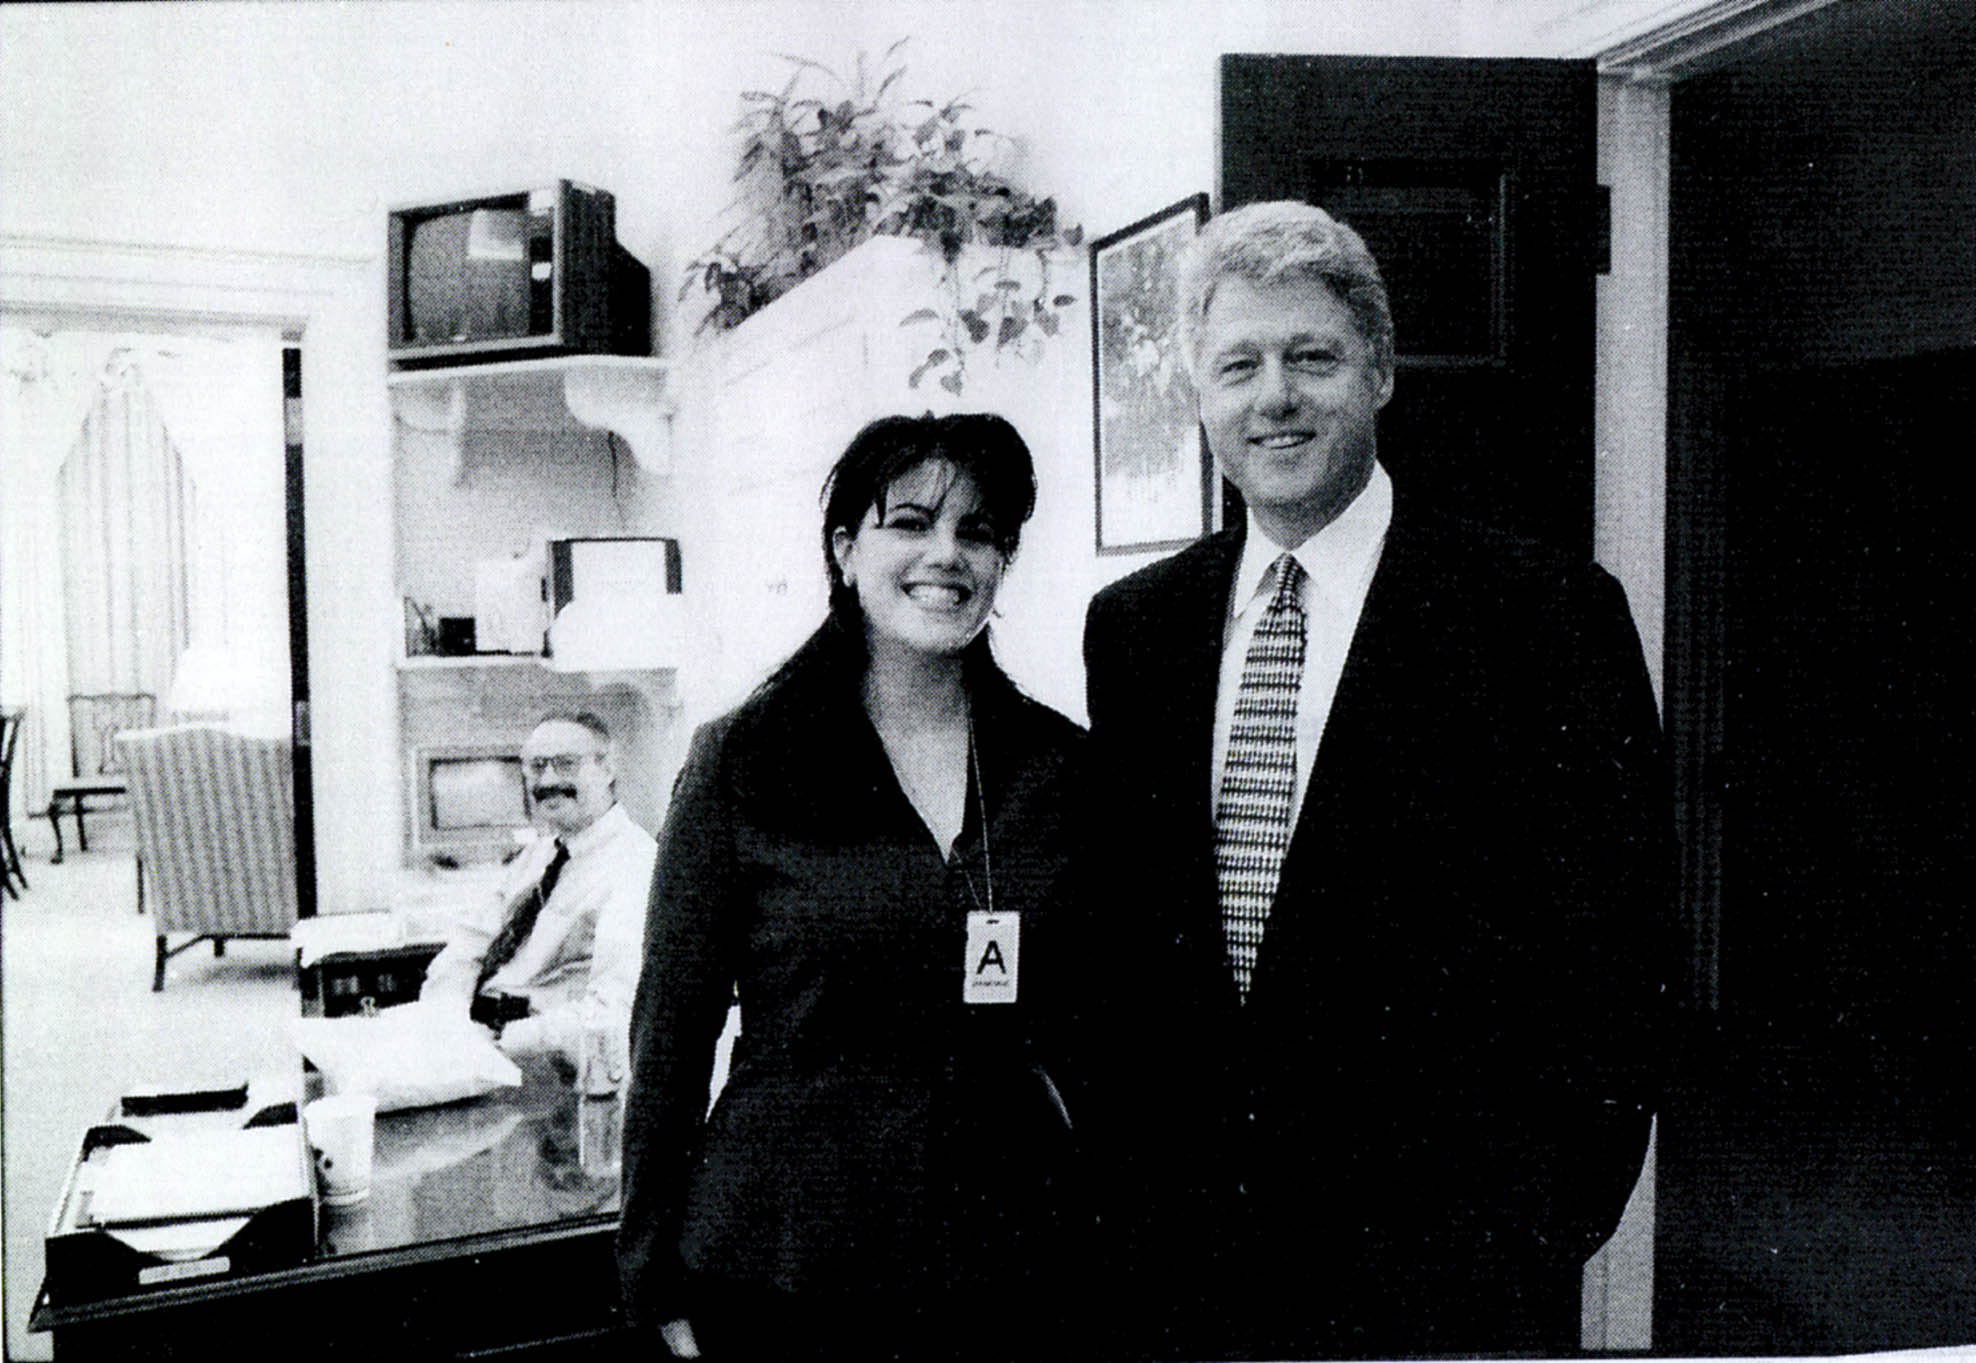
544	792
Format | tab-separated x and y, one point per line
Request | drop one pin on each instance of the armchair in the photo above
94	723
215	820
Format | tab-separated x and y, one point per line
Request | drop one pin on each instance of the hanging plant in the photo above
819	177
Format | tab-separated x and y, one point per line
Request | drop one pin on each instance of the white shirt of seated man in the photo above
579	963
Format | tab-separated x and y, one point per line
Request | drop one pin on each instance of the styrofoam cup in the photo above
342	1132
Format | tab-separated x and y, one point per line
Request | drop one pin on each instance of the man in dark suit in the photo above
1393	793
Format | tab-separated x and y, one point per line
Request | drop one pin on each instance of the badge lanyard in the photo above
981	804
989	970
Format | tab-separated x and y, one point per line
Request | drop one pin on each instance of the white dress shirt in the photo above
582	957
1338	562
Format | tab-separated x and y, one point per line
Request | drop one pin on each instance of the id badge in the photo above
994	945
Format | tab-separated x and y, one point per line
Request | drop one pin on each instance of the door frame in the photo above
323	302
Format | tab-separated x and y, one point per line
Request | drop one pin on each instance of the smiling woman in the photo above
875	852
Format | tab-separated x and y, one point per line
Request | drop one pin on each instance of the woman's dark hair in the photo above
980	444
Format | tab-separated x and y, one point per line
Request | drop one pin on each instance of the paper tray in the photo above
87	1262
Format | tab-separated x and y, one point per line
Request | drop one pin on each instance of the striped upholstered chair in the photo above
215	818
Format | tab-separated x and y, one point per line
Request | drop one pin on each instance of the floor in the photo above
79	1024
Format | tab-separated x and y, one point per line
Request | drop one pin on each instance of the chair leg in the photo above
81	829
55	822
219	947
158	976
10	860
140	885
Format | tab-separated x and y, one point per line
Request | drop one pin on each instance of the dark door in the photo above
1475	184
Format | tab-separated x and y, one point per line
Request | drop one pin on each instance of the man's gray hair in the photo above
1266	243
587	719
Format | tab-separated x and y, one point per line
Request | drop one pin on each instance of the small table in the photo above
484	1231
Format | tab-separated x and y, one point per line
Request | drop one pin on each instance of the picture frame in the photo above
1154	478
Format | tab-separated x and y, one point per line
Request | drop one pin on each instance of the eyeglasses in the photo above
563	764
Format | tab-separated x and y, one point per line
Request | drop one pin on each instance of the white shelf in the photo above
624	394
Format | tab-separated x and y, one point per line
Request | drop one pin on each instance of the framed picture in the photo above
1153	472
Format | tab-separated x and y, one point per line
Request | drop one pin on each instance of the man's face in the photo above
1290	395
569	775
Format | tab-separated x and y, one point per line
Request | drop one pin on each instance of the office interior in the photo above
1781	362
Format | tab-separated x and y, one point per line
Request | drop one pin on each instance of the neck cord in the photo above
981	803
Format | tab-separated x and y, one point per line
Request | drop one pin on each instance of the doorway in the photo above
146	552
1817	1180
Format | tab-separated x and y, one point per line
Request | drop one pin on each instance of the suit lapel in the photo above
1200	618
1362	710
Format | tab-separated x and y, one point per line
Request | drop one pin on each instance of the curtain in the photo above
125	553
47	394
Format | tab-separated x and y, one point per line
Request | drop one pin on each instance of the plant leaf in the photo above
922	315
1062	300
977	326
952	383
1011	328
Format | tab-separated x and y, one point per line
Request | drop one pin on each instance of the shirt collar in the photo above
1336	559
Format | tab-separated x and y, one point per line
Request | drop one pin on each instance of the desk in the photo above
482	1232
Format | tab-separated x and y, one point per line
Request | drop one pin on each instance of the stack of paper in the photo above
180	1178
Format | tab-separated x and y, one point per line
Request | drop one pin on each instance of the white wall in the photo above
281	127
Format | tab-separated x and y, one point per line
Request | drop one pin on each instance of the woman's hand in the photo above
679	1338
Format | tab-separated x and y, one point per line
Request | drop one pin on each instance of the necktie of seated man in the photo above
521	919
1259	779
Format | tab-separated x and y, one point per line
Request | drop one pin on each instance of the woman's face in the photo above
925	572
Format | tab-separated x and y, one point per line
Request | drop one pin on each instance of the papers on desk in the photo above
204	1177
417	1055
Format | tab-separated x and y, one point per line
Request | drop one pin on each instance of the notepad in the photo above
222	1174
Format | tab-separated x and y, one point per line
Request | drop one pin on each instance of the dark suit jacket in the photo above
875	1134
1436	1100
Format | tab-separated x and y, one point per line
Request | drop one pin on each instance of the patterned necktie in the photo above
1259	781
521	919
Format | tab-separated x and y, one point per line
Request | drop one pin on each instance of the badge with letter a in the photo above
994	942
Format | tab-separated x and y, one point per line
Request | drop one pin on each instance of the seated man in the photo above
561	941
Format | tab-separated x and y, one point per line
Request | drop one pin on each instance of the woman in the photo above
872	855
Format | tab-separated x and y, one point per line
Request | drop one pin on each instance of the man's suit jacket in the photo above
1437	1096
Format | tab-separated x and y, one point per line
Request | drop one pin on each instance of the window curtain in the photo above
47	395
126	560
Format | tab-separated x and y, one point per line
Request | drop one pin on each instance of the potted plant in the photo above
820	176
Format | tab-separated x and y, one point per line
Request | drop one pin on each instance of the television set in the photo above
514	275
468	801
